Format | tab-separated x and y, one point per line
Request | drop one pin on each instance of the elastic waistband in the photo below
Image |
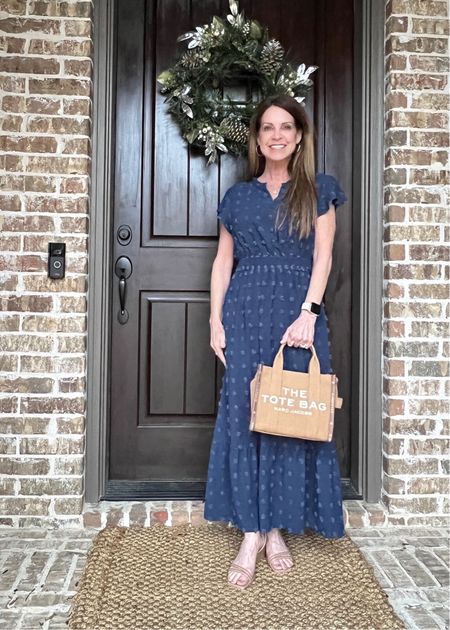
285	261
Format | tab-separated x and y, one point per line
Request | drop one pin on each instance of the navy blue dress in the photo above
258	481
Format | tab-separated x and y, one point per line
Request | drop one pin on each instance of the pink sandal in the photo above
245	572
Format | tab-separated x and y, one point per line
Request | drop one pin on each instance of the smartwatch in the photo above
312	307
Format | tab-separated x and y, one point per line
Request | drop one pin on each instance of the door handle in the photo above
123	270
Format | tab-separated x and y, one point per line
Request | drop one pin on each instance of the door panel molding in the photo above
367	307
197	393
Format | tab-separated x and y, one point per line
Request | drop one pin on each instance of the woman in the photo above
280	226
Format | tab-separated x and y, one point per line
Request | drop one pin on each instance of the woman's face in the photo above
278	136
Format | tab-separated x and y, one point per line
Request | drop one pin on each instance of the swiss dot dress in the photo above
258	481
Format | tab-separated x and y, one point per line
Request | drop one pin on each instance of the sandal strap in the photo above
239	569
281	554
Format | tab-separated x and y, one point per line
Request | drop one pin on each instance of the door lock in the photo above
124	234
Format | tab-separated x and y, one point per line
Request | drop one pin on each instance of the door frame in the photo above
367	307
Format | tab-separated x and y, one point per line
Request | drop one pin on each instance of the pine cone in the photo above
271	56
191	59
234	130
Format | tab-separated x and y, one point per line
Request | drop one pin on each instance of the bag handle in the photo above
313	370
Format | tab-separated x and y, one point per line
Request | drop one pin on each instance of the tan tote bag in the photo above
294	404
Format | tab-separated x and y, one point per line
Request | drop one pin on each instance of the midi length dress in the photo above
257	481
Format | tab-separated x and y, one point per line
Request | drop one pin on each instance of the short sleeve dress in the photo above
257	481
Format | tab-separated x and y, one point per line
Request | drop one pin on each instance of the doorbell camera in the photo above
56	260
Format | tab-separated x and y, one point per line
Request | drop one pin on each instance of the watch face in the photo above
315	308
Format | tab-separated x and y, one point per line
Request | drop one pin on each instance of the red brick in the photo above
78	68
77	107
75	9
30	404
438	139
79	146
395	62
410	272
13	103
406	43
92	519
14	7
429	64
416	7
394	367
60	205
20	25
58	125
29	65
65	48
138	514
67	87
395	407
9	243
114	517
74	185
63	165
417	119
12	84
415	156
429	177
401	194
40	184
28	144
159	516
396	24
43	105
11	123
14	45
394	252
77	28
10	203
396	100
416	81
430	26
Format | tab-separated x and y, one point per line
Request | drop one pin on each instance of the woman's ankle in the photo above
274	531
251	535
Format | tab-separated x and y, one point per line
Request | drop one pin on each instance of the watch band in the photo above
312	307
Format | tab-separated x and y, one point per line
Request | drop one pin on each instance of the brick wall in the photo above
416	237
45	86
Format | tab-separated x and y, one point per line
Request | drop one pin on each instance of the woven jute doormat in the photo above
174	578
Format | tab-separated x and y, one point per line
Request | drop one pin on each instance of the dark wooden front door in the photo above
165	379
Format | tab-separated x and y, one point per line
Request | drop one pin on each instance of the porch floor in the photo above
40	568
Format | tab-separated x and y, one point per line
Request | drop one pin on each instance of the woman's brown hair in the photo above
299	205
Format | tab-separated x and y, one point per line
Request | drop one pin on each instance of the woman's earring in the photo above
298	146
260	154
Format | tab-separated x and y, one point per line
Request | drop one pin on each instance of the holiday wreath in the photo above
222	54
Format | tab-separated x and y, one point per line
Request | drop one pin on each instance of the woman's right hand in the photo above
218	341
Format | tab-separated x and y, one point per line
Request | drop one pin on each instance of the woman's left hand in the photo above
300	333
